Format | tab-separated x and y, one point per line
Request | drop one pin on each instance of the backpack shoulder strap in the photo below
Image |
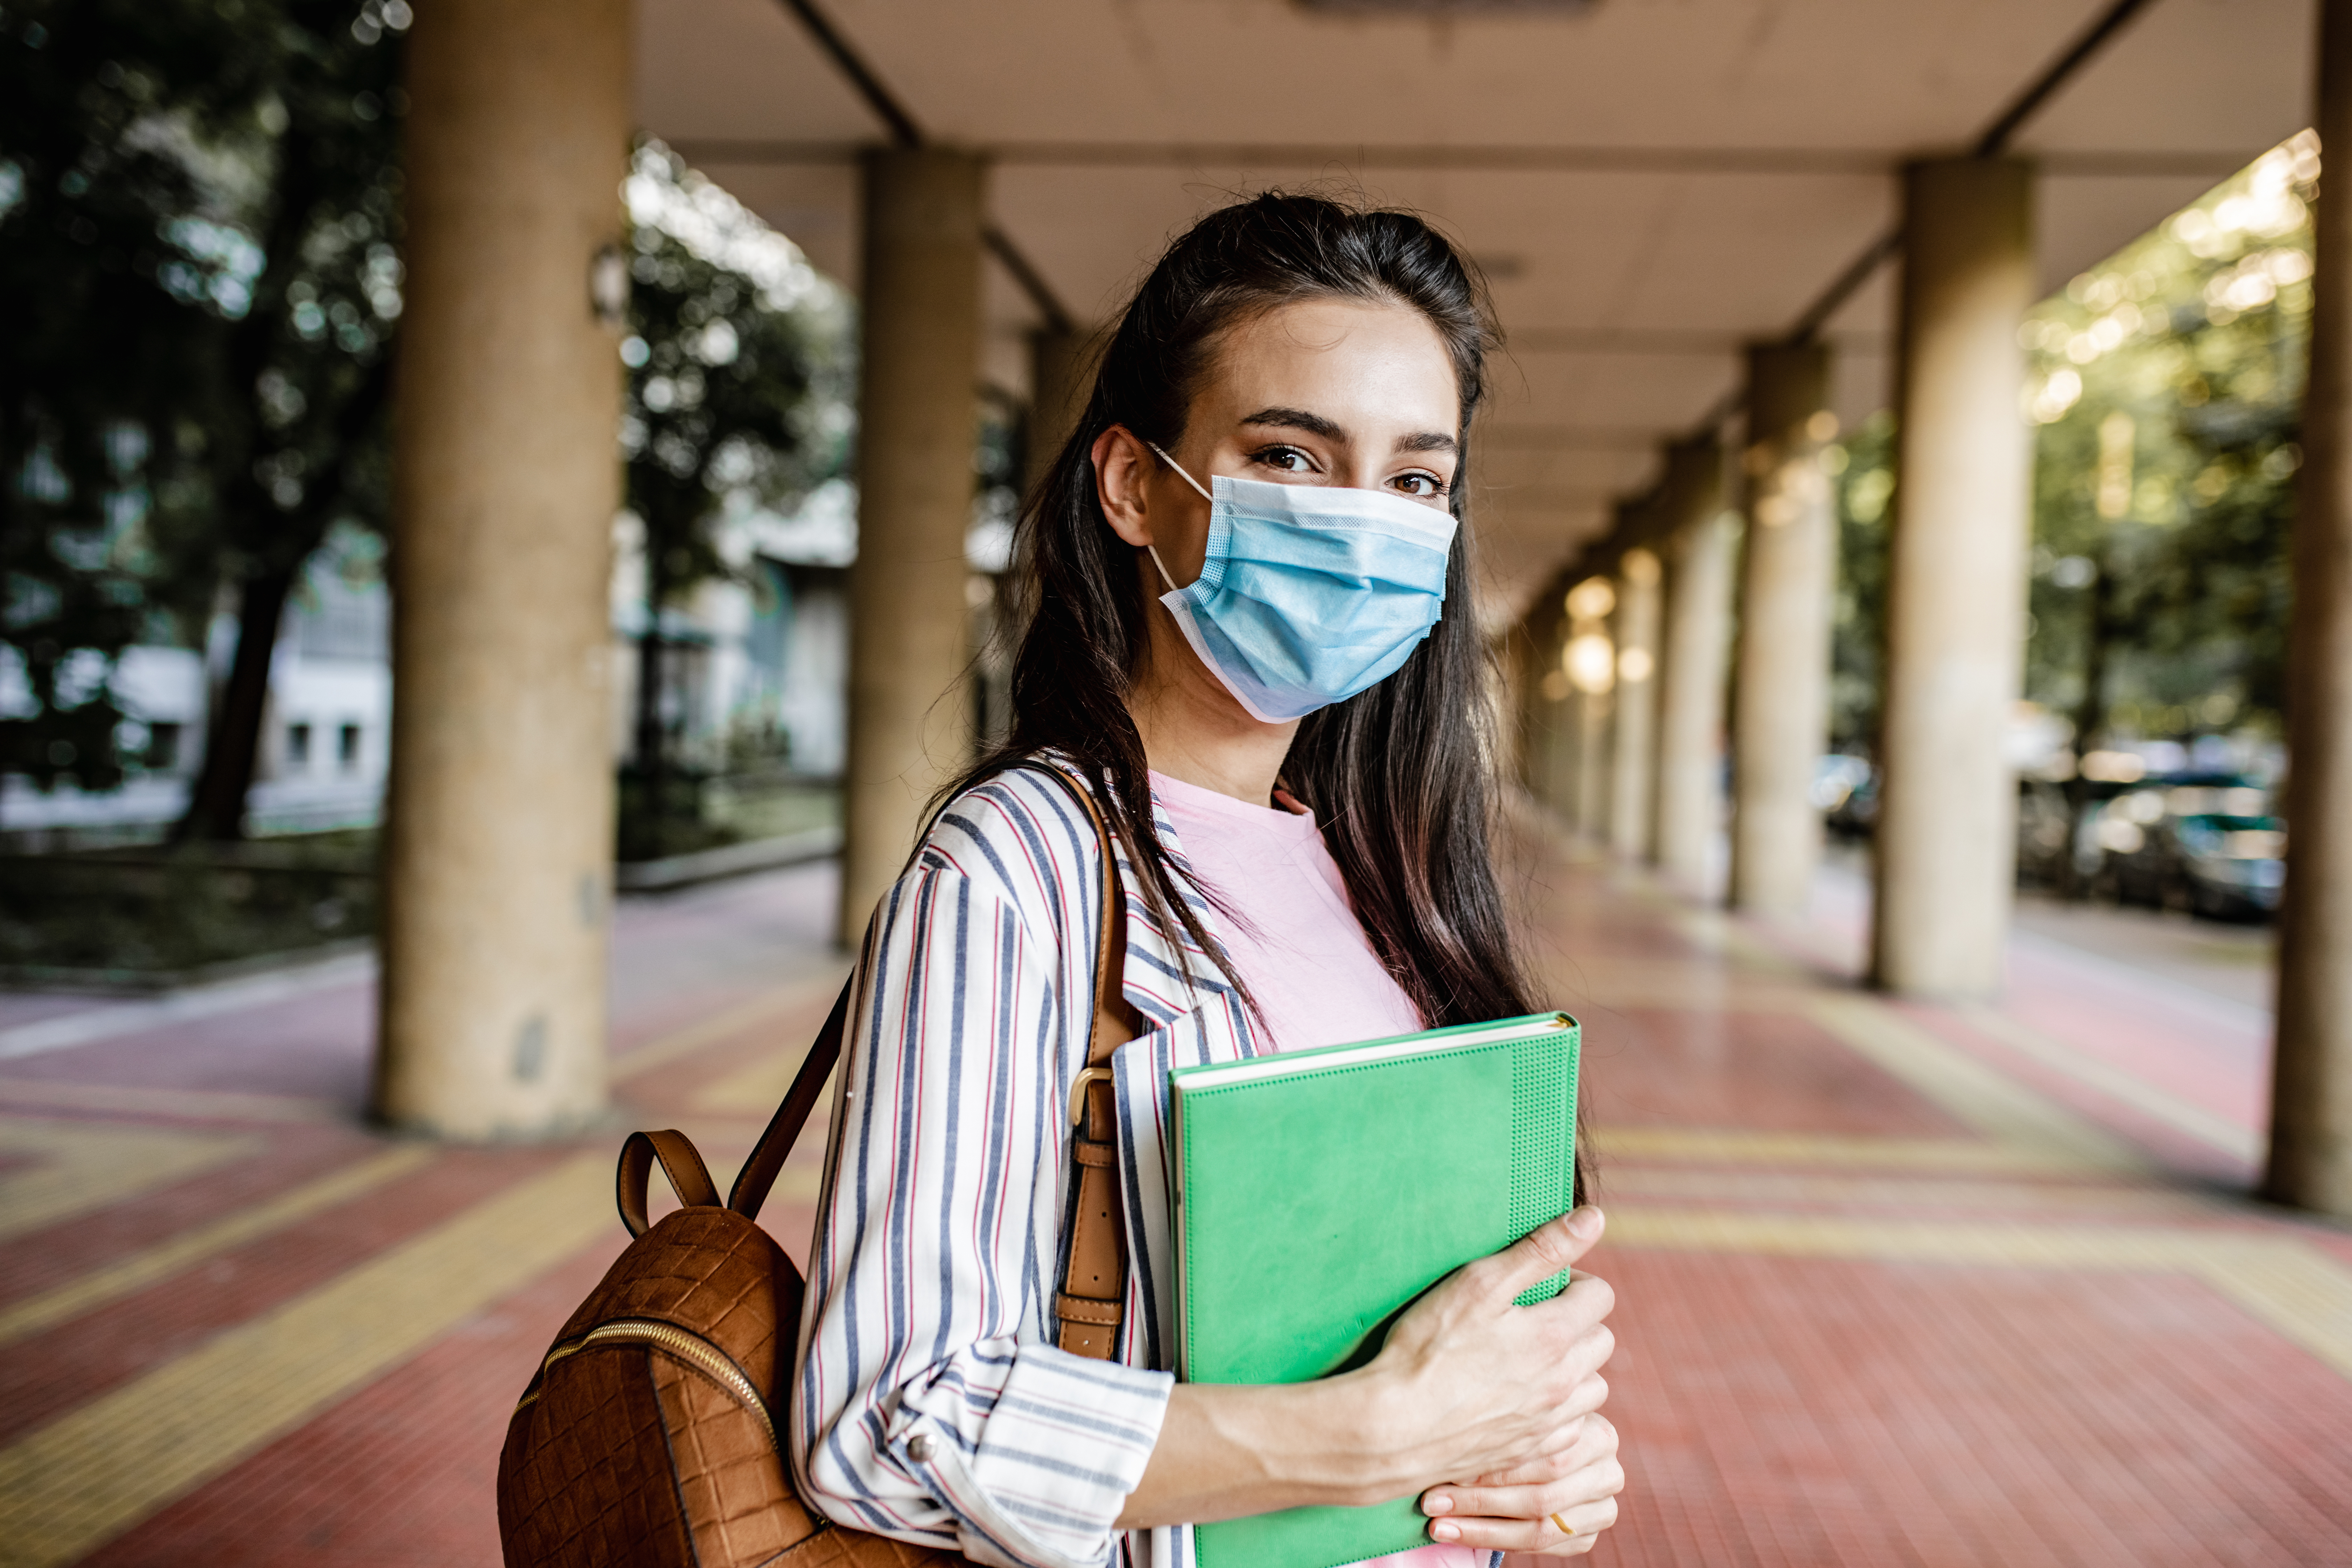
1092	1302
1091	1306
783	1129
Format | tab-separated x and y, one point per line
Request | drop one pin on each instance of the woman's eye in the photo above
1287	459
1422	486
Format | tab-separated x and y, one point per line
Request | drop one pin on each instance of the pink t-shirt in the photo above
1297	943
1300	948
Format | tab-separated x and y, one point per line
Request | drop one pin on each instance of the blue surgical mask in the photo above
1310	594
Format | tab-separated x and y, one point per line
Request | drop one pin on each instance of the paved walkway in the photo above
1899	1284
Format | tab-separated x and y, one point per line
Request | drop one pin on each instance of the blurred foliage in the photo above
741	366
2165	387
740	369
1861	472
198	279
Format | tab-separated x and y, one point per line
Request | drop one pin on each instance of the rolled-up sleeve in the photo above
931	1404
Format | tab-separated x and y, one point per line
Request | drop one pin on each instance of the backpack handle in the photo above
690	1178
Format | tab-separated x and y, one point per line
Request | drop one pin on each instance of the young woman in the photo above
1248	634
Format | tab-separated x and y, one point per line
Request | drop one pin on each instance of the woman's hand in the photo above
1549	1478
1471	1384
1468	1383
1526	1510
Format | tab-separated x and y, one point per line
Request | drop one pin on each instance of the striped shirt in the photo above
933	1405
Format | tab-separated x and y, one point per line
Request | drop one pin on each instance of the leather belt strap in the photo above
1092	1303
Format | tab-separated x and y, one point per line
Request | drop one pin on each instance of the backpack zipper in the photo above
692	1349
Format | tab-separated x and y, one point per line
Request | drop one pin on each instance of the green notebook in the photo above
1319	1192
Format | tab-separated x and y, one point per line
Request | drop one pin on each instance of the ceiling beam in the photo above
1996	138
1991	143
1795	162
905	132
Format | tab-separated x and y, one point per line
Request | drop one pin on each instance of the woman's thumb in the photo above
1548	1249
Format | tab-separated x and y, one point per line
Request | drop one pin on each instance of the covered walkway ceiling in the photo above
1649	184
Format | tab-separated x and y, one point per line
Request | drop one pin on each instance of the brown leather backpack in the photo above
653	1435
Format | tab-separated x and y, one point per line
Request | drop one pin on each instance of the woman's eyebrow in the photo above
1315	424
1297	420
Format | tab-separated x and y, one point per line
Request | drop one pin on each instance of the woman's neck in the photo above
1193	730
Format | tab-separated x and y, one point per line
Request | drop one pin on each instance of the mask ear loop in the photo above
1205	496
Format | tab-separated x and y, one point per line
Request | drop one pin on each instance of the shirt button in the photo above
918	1447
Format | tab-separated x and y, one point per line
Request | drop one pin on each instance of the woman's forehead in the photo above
1366	368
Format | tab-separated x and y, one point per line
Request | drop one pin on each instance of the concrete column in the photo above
1551	763
1696	639
1590	659
2311	1096
1633	762
1946	844
1786	583
1061	377
909	724
1530	709
498	854
1557	760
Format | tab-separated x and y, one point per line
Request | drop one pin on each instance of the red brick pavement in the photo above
1779	1407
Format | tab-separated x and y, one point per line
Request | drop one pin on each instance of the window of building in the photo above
297	746
347	748
163	747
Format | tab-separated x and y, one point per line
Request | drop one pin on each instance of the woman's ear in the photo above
1123	466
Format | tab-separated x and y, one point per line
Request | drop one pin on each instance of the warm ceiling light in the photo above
1591	599
1591	662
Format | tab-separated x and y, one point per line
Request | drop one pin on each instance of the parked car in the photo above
2236	866
2148	842
2045	827
2207	844
1845	792
2220	866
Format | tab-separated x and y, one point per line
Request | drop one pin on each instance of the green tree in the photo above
2167	386
738	393
1862	470
301	430
116	271
198	214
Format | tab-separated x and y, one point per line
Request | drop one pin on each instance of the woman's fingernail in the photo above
1436	1504
1585	1222
1445	1532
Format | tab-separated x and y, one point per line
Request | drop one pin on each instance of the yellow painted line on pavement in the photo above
165	1258
2299	1291
2213	1130
1738	1146
1755	1189
81	1166
86	1477
222	1105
